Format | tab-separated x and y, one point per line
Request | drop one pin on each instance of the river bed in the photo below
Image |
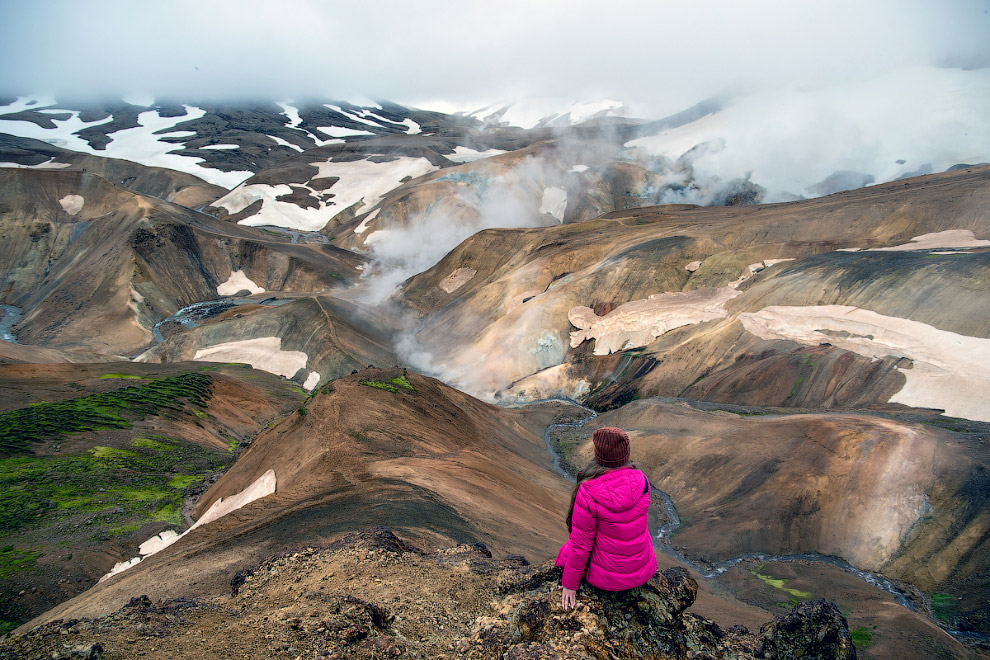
9	315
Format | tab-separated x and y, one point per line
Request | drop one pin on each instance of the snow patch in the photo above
364	223
693	266
285	143
274	212
951	238
141	144
554	202
340	131
291	113
364	180
639	322
238	281
72	204
311	381
578	169
221	146
950	371
263	353
49	164
261	487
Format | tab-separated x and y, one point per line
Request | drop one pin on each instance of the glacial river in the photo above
9	315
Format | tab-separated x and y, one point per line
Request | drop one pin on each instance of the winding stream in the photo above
11	315
191	315
663	535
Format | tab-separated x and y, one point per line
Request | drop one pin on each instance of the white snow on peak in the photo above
291	113
792	142
139	144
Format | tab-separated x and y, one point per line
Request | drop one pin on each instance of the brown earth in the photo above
372	595
514	309
99	279
107	491
903	498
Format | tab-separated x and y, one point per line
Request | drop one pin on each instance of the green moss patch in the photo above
183	481
392	385
861	637
777	583
107	489
148	443
124	376
944	607
16	561
97	412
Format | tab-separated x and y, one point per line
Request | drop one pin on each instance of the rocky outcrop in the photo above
373	595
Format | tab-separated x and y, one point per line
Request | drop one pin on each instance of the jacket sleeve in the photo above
584	523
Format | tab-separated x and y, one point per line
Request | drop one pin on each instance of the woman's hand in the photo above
569	600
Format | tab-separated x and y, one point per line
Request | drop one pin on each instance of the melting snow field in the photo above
639	322
263	353
950	371
902	123
238	281
140	144
361	181
959	239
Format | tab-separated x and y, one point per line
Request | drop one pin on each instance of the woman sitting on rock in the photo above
610	545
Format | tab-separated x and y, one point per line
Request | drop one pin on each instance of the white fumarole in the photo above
950	371
639	322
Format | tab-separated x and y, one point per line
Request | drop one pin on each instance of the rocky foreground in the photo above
372	595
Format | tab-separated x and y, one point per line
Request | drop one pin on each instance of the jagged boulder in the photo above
814	630
646	622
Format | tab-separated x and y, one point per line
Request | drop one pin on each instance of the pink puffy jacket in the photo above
610	545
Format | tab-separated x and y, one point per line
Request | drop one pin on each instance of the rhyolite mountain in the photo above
805	378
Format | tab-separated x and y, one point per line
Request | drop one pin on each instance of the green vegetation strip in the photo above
861	637
107	489
392	385
97	412
777	583
15	561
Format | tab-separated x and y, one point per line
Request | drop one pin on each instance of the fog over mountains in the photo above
308	314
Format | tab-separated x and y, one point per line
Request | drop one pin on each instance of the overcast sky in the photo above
657	56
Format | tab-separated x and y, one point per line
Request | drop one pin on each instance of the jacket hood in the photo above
618	490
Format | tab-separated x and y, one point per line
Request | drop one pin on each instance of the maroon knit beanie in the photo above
611	447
